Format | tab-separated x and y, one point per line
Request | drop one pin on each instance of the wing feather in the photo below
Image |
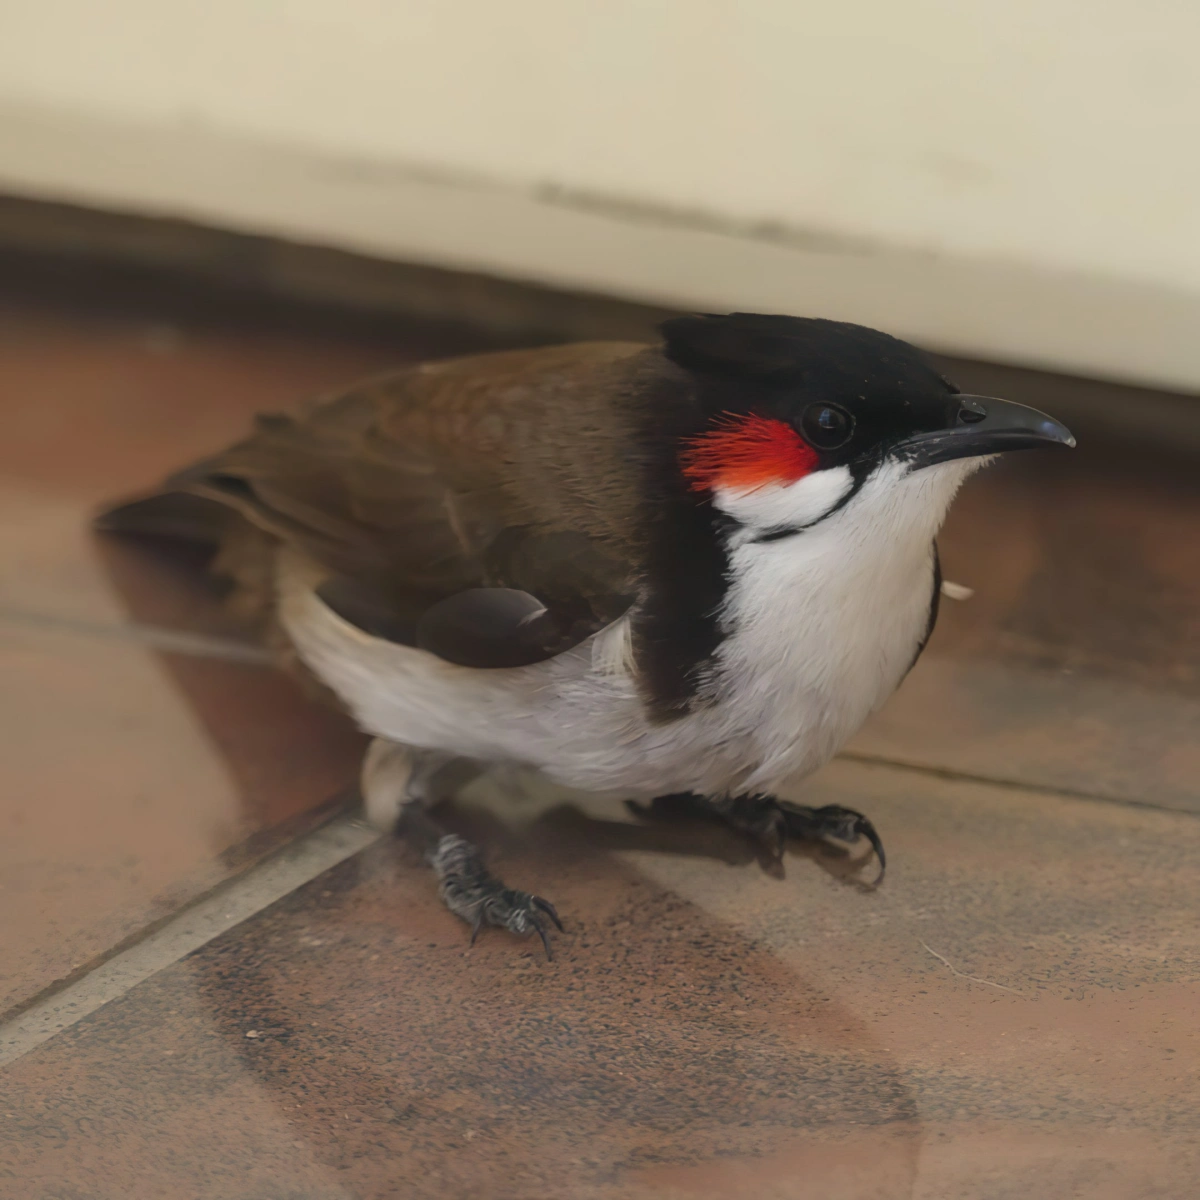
436	497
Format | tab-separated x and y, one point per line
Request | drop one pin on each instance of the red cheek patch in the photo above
744	453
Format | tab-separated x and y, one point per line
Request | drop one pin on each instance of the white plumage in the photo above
821	627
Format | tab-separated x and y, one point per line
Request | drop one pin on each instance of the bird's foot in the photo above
773	821
398	783
472	892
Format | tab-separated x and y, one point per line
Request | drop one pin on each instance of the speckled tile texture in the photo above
125	795
1012	1014
1014	1010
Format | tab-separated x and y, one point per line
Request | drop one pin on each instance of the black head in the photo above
853	394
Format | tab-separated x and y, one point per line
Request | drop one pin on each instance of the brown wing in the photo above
438	497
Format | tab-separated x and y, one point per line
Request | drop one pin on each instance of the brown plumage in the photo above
500	471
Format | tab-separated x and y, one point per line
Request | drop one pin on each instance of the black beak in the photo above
982	425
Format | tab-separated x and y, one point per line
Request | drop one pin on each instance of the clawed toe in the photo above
518	912
771	822
549	910
833	821
473	893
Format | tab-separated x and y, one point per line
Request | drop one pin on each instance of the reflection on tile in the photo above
128	777
1014	1005
91	411
131	777
1081	561
1079	732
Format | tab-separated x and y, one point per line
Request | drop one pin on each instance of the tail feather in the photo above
176	515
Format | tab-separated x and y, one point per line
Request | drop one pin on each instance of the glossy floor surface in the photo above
1012	1014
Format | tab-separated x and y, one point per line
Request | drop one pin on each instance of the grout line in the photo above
290	830
1015	785
246	895
174	641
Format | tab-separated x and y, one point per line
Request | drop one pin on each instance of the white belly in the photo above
823	626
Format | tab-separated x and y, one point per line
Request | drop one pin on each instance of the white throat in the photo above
823	624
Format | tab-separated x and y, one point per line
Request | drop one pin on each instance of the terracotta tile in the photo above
131	782
1012	722
1011	1014
94	408
1083	561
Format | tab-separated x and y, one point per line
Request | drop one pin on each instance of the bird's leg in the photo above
397	787
472	892
772	821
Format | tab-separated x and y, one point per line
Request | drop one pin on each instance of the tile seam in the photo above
241	898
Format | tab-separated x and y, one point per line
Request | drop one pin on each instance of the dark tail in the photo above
176	515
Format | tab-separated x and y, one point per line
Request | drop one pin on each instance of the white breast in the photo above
821	627
825	623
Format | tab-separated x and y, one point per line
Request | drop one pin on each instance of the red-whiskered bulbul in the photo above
691	568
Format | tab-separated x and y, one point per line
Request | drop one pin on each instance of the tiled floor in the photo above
1014	1013
130	774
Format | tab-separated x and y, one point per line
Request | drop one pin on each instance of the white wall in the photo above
1013	178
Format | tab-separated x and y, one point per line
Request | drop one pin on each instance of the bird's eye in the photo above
827	426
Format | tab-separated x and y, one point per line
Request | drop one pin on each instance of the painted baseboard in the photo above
1018	313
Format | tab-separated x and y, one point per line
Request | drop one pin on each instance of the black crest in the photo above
782	351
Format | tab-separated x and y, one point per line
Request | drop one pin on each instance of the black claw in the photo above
541	929
864	828
476	926
549	910
851	825
774	821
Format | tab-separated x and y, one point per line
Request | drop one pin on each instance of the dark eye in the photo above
826	426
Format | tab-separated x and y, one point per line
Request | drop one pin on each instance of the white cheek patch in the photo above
779	504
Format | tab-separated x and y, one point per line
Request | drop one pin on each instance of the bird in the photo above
689	568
